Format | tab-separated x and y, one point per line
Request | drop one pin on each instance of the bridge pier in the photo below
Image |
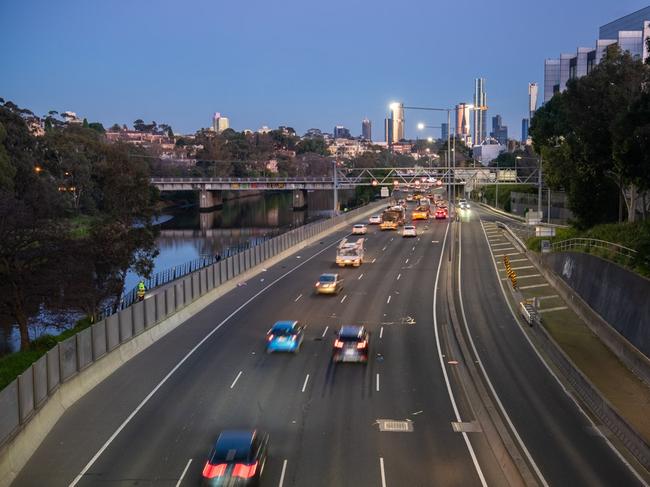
299	199
210	199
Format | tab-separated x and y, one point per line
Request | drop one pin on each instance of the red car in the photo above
440	214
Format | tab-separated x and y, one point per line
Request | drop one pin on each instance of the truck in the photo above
392	218
349	253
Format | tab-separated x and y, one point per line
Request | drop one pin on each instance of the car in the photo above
284	336
440	213
351	344
409	197
409	231
237	458
359	229
374	220
463	204
328	284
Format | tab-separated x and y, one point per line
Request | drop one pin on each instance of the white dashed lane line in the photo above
296	300
232	386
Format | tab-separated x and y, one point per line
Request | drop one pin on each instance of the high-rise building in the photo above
394	124
532	99
366	129
628	32
524	130
499	131
444	131
480	111
340	132
219	123
462	122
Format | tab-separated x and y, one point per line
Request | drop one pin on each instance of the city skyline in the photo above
103	80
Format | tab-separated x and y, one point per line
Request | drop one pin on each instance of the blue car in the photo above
284	336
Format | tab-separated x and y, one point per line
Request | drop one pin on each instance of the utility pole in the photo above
539	190
336	188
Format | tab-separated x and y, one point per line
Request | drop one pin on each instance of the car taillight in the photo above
318	284
362	344
293	338
338	344
269	337
211	471
244	471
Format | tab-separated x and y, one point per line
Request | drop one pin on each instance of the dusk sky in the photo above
294	62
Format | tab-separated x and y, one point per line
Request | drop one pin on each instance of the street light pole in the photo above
539	190
336	189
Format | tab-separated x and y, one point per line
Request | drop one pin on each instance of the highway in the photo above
153	421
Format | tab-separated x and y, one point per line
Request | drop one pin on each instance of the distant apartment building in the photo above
532	107
499	131
366	129
488	150
444	131
340	132
394	124
479	132
629	32
219	123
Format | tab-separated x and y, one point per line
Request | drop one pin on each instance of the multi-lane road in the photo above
152	422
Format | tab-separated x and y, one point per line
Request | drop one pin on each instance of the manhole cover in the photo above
466	427
395	425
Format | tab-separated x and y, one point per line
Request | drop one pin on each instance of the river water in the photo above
188	234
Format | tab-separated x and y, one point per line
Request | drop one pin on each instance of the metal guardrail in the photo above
588	243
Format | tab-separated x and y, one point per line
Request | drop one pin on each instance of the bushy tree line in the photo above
75	216
594	139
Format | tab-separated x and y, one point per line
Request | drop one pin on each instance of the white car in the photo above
463	204
374	220
359	229
409	231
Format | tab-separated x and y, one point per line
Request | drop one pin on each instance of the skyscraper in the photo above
219	123
532	99
499	131
366	129
524	130
444	131
480	114
394	124
340	132
462	121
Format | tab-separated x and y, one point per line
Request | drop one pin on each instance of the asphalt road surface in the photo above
152	422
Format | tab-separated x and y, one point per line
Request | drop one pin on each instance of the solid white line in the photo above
505	248
377	382
542	298
284	469
450	393
511	253
561	385
528	276
236	379
324	331
514	260
523	267
359	278
344	298
381	333
388	300
500	244
558	308
383	474
296	300
480	363
304	386
533	286
398	276
110	440
183	473
407	261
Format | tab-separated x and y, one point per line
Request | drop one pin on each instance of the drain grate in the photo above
466	427
395	426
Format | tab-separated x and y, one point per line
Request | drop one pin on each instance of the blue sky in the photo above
296	62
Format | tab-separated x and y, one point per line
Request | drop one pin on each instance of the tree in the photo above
316	145
139	125
97	127
115	127
7	170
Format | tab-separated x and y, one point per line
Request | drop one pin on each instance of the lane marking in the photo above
528	276
480	363
505	248
450	393
359	278
557	308
183	473
374	260
284	469
304	386
383	249
383	474
377	382
533	286
162	382
236	379
500	244
398	276
413	249
296	300
344	298
381	333
542	298
324	332
514	260
523	267
511	253
388	300
407	261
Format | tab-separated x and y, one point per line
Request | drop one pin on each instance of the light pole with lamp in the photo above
539	186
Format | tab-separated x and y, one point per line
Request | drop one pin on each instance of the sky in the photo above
301	63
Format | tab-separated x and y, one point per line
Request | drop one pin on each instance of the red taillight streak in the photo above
338	344
362	344
244	471
269	337
211	471
318	284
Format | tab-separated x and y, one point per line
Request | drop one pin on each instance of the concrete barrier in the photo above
10	417
223	271
203	281
188	290
150	310
126	324
26	394
84	348
98	331
68	358
179	291
230	268
196	284
40	381
170	303
53	372
137	316
112	332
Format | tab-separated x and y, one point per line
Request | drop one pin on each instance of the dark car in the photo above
237	458
351	344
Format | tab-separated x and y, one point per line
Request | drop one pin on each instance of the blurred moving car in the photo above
409	231
374	220
236	458
420	213
440	213
359	229
284	336
409	197
351	344
328	284
463	204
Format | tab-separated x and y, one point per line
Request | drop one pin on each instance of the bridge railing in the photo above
608	250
